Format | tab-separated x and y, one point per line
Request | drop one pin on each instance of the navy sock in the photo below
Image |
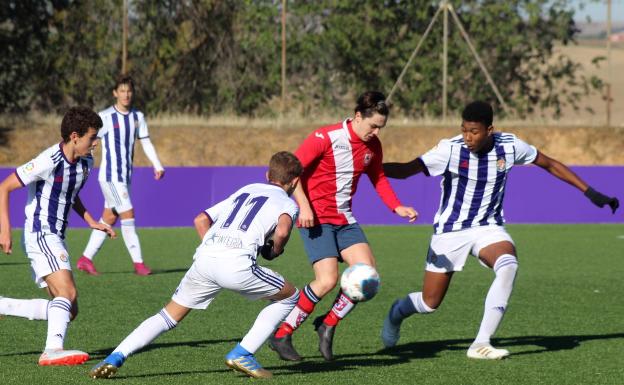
402	309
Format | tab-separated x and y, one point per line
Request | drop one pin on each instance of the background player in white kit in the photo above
54	179
233	232
475	166
123	124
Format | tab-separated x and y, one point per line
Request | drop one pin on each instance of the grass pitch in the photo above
564	324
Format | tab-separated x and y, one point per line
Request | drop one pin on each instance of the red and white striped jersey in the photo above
333	159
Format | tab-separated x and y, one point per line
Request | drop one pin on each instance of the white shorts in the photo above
449	251
47	253
116	196
209	275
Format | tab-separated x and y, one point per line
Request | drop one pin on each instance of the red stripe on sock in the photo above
284	330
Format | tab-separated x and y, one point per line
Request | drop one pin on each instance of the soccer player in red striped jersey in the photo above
334	158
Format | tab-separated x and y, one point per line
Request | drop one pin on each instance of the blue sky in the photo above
597	10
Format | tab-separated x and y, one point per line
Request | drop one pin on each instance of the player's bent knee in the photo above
506	265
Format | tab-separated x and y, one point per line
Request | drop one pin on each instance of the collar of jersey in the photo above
61	144
347	125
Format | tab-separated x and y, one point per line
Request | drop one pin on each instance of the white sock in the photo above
58	318
146	332
267	321
33	309
131	239
96	240
496	301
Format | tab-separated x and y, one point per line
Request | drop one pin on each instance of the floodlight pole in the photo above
124	39
609	73
444	4
283	56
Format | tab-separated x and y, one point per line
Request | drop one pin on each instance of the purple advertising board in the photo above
532	196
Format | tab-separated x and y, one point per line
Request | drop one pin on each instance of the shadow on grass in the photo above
154	272
14	263
95	354
431	349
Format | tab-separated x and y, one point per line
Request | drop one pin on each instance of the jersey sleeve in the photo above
312	148
217	210
37	169
437	159
292	210
105	125
380	182
142	132
524	152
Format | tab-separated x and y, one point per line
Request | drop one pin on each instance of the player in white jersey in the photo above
233	232
475	167
122	125
54	179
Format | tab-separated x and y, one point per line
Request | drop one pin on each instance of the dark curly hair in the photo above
79	120
284	166
478	111
371	102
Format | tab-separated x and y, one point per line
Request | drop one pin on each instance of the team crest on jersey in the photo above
28	167
500	164
85	171
63	257
367	158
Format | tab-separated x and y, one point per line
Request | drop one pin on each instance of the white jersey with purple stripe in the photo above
242	222
118	134
53	185
473	185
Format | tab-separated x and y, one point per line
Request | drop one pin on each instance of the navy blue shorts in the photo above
327	241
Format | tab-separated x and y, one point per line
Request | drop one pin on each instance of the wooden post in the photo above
445	63
124	39
609	73
283	56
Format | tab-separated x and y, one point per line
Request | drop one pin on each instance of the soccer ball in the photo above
360	282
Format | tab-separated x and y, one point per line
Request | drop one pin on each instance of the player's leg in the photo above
32	309
62	309
265	283
131	239
97	238
499	256
325	325
447	253
435	286
150	329
322	250
192	293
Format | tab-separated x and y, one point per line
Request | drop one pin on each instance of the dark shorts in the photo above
327	241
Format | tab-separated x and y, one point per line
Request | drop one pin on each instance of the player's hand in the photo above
6	242
105	228
267	252
601	200
159	174
306	217
407	212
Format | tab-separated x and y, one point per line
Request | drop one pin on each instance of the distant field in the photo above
564	324
578	138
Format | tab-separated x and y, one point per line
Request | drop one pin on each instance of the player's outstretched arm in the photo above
9	184
80	209
398	170
561	171
150	152
407	212
306	215
202	224
275	247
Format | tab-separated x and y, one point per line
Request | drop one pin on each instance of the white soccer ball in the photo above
360	282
